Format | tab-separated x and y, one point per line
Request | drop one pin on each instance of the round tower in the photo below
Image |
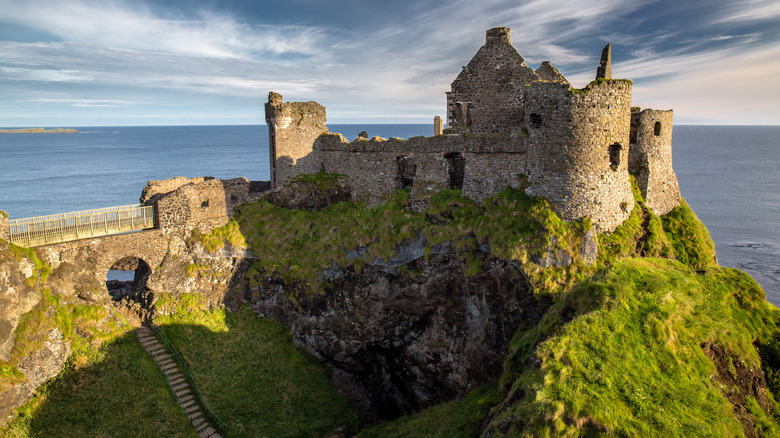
578	143
650	159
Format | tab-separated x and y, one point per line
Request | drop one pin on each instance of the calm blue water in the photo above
729	175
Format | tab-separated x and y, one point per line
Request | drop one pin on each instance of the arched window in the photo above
614	156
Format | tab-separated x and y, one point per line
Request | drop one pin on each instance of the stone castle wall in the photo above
650	159
487	96
200	204
489	164
292	129
578	150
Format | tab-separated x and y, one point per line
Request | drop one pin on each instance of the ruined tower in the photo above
650	159
292	129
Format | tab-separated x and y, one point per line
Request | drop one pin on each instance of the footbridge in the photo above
67	227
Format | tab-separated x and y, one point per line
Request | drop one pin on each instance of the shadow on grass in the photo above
117	392
254	378
246	367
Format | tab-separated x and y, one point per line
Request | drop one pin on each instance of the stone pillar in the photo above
4	225
438	126
605	68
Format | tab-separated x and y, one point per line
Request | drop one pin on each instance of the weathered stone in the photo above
547	72
38	367
304	195
397	343
604	71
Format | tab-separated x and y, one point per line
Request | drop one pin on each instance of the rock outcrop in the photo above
401	338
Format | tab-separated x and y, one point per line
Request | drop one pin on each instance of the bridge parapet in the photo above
65	227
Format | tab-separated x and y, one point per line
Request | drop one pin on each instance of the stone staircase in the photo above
180	385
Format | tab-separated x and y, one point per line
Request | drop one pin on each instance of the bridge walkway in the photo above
66	227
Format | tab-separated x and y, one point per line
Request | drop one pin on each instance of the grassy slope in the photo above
251	374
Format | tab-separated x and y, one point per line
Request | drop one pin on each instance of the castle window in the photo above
657	128
406	171
456	166
535	120
614	156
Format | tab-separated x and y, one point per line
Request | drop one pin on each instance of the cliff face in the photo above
398	339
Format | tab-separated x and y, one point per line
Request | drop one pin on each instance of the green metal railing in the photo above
222	426
64	227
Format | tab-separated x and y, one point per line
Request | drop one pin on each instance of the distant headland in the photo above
38	131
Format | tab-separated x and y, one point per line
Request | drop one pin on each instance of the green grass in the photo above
252	375
112	391
456	419
622	354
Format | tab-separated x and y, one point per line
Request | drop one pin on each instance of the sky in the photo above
198	62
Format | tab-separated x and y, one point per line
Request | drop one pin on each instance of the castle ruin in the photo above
505	122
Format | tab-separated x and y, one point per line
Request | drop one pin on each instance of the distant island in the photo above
38	131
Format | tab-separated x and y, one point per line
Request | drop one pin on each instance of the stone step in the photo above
199	423
169	367
176	379
188	404
164	362
196	415
186	398
183	392
180	387
208	432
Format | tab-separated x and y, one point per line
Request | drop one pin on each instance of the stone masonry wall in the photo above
372	166
578	150
491	88
4	225
203	206
161	187
292	129
650	159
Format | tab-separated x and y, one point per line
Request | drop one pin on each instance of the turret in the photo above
650	159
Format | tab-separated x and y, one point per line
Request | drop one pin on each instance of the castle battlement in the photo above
577	147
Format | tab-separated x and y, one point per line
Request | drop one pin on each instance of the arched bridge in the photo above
93	241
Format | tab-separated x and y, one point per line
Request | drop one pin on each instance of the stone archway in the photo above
127	277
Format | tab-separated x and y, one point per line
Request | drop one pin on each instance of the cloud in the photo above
122	24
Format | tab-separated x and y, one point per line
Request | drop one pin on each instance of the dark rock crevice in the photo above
401	338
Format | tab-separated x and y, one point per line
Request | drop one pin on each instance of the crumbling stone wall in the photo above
292	129
578	150
650	159
372	166
165	186
487	96
201	204
4	226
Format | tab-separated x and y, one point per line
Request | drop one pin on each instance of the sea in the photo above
729	175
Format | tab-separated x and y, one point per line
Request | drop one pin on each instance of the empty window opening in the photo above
535	120
234	198
204	204
406	171
657	128
614	156
456	166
